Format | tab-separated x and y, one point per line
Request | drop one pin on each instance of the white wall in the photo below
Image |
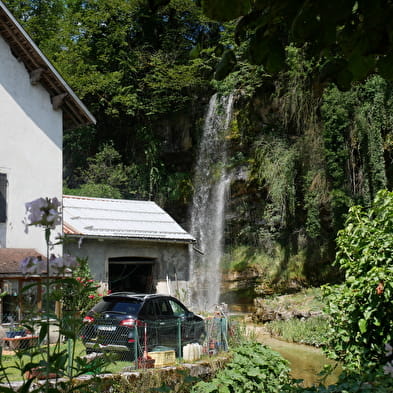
30	149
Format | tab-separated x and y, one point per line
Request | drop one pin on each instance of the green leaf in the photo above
362	325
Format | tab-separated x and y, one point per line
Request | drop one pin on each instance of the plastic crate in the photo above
163	358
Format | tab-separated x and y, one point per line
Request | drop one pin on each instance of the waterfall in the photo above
211	184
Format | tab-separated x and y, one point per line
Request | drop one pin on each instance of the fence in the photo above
9	318
140	340
134	341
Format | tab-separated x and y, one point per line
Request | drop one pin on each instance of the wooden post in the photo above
39	296
20	287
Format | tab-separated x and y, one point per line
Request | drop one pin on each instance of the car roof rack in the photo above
137	295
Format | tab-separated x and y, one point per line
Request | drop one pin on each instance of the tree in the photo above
351	39
130	62
106	176
360	309
43	19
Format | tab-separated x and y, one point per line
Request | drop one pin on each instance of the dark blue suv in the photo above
122	319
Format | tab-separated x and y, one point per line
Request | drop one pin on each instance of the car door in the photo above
189	325
148	316
166	322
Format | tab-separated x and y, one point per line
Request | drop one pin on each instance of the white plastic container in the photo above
192	352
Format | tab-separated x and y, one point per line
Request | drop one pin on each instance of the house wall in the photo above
30	149
172	260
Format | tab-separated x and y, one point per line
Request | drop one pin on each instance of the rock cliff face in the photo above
238	289
254	219
278	209
246	291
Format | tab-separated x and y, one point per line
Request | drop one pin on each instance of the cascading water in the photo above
211	184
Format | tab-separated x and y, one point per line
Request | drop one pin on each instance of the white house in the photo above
36	105
130	245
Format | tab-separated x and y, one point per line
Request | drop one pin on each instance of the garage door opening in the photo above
131	274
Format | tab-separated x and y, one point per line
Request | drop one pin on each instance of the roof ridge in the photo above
109	199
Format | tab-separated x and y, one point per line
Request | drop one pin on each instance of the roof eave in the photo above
123	238
24	48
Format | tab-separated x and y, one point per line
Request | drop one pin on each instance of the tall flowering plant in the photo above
43	212
81	292
60	284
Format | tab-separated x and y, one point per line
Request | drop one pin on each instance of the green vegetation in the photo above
302	150
360	309
310	331
253	368
139	66
349	38
12	362
307	300
309	158
348	384
359	313
304	321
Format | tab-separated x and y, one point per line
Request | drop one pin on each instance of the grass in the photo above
307	300
268	265
311	331
11	363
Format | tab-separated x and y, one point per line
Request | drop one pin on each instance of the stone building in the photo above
130	245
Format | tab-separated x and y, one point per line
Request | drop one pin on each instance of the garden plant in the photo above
54	359
359	311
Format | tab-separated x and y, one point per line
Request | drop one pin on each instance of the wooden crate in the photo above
163	358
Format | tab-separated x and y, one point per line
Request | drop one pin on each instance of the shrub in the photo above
360	309
253	368
311	331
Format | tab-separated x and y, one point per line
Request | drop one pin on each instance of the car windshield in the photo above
129	307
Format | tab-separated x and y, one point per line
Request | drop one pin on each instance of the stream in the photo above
306	361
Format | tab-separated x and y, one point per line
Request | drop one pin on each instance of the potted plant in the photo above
16	331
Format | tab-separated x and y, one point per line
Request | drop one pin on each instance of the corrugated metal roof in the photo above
119	218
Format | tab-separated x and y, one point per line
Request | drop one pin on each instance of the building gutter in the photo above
142	239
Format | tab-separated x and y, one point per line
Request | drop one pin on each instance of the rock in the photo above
265	314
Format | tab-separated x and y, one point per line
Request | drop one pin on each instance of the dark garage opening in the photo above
131	274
